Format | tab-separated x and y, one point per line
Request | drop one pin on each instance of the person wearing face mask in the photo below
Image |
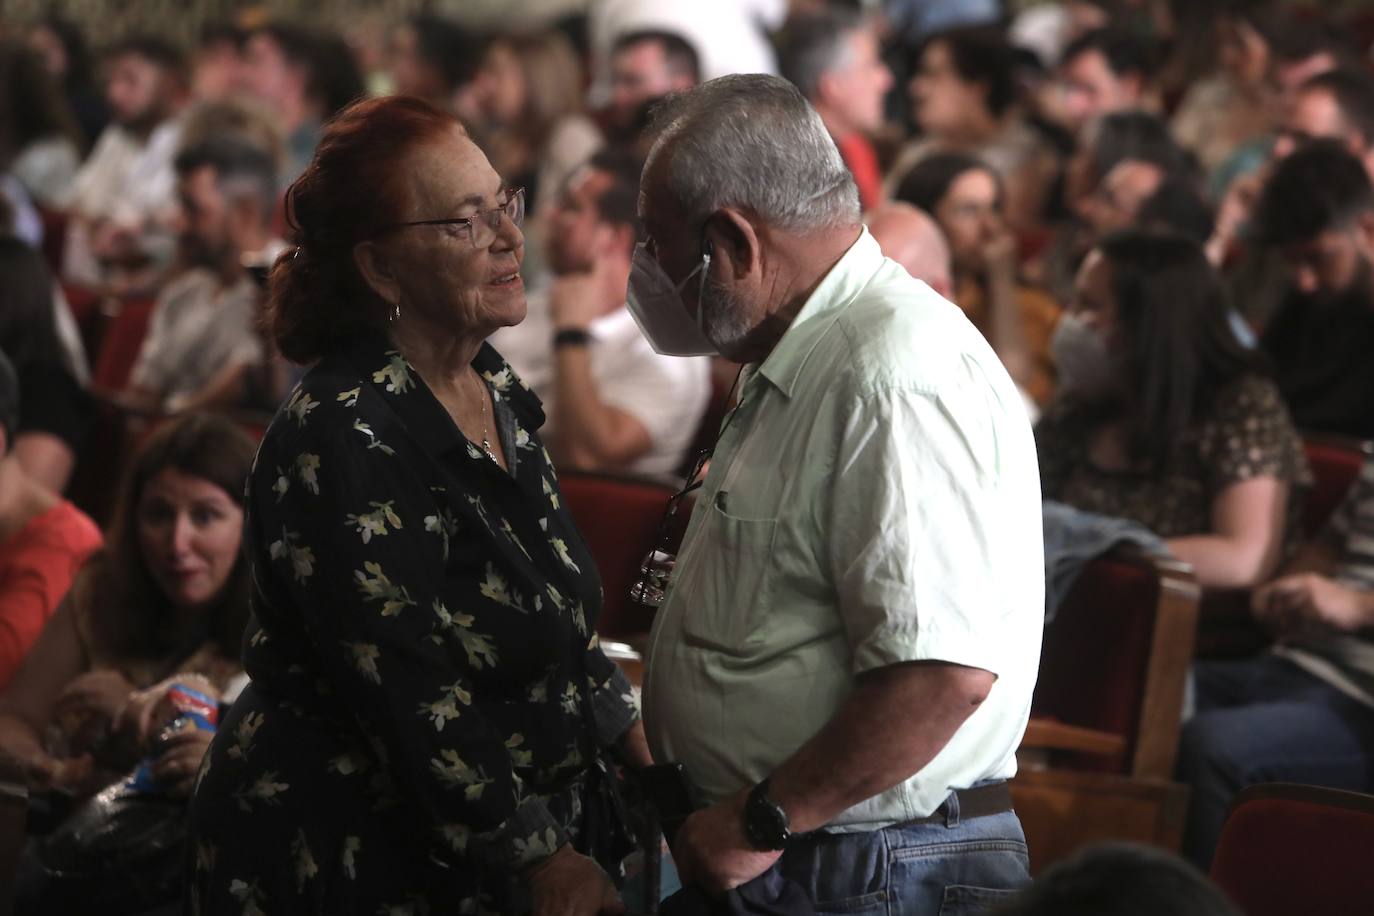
844	658
1164	418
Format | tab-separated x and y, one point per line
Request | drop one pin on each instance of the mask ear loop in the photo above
701	288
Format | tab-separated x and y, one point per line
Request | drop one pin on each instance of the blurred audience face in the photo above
1244	54
1116	202
410	72
139	92
907	235
189	533
852	93
1335	263
207	237
215	70
269	75
1091	89
577	235
49	46
1313	114
1289	75
970	215
641	72
943	100
498	93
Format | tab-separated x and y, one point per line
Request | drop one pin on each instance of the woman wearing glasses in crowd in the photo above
430	713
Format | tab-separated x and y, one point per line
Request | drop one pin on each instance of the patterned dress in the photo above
428	695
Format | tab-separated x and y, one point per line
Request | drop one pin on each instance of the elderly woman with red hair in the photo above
430	714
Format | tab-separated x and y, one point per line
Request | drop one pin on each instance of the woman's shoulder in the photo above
1250	395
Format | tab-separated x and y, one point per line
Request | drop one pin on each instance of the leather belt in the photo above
980	801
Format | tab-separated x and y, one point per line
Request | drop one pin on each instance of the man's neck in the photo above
803	263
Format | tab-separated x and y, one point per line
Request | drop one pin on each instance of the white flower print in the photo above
375	586
396	374
300	406
352	846
372	440
306	467
445	709
301	557
349	398
365	660
560	547
375	522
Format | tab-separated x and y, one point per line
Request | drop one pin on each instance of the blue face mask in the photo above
655	301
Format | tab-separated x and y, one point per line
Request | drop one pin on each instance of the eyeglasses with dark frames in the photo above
482	227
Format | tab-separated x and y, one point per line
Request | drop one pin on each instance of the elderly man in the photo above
844	662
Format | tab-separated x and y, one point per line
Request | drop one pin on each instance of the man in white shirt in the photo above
845	658
612	403
202	343
122	200
730	36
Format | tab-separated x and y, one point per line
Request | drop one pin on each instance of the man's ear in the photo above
376	271
733	241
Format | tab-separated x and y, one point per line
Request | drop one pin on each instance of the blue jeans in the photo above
1265	719
955	868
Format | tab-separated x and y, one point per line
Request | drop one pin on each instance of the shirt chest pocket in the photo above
728	585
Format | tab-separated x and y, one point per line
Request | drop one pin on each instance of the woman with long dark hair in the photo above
1164	418
168	597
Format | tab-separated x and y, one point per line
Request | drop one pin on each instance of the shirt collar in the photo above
418	409
826	303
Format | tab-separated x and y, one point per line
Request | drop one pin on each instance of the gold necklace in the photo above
482	402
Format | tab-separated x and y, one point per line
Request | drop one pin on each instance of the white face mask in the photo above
1081	358
656	304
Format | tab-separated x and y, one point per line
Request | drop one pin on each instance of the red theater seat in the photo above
1290	849
119	347
1335	464
1098	756
619	517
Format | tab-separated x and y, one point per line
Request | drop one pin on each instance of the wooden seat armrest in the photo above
1052	735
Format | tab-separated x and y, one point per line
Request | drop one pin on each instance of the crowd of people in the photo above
457	269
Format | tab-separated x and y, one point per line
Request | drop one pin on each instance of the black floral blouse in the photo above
428	694
1247	433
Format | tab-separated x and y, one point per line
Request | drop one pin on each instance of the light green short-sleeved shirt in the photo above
875	500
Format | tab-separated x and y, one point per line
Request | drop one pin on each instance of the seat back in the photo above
1115	659
1335	463
619	518
1297	849
121	343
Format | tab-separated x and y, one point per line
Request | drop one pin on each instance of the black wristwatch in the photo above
765	823
572	337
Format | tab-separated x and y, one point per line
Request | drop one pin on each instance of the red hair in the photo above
350	190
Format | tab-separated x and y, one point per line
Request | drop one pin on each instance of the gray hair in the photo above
753	141
813	44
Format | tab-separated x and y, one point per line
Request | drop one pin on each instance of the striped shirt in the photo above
1346	661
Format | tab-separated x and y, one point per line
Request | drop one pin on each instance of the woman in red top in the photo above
44	540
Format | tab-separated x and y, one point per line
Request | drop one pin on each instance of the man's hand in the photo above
574	302
712	851
178	761
1308	603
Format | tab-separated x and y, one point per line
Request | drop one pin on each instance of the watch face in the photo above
765	822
